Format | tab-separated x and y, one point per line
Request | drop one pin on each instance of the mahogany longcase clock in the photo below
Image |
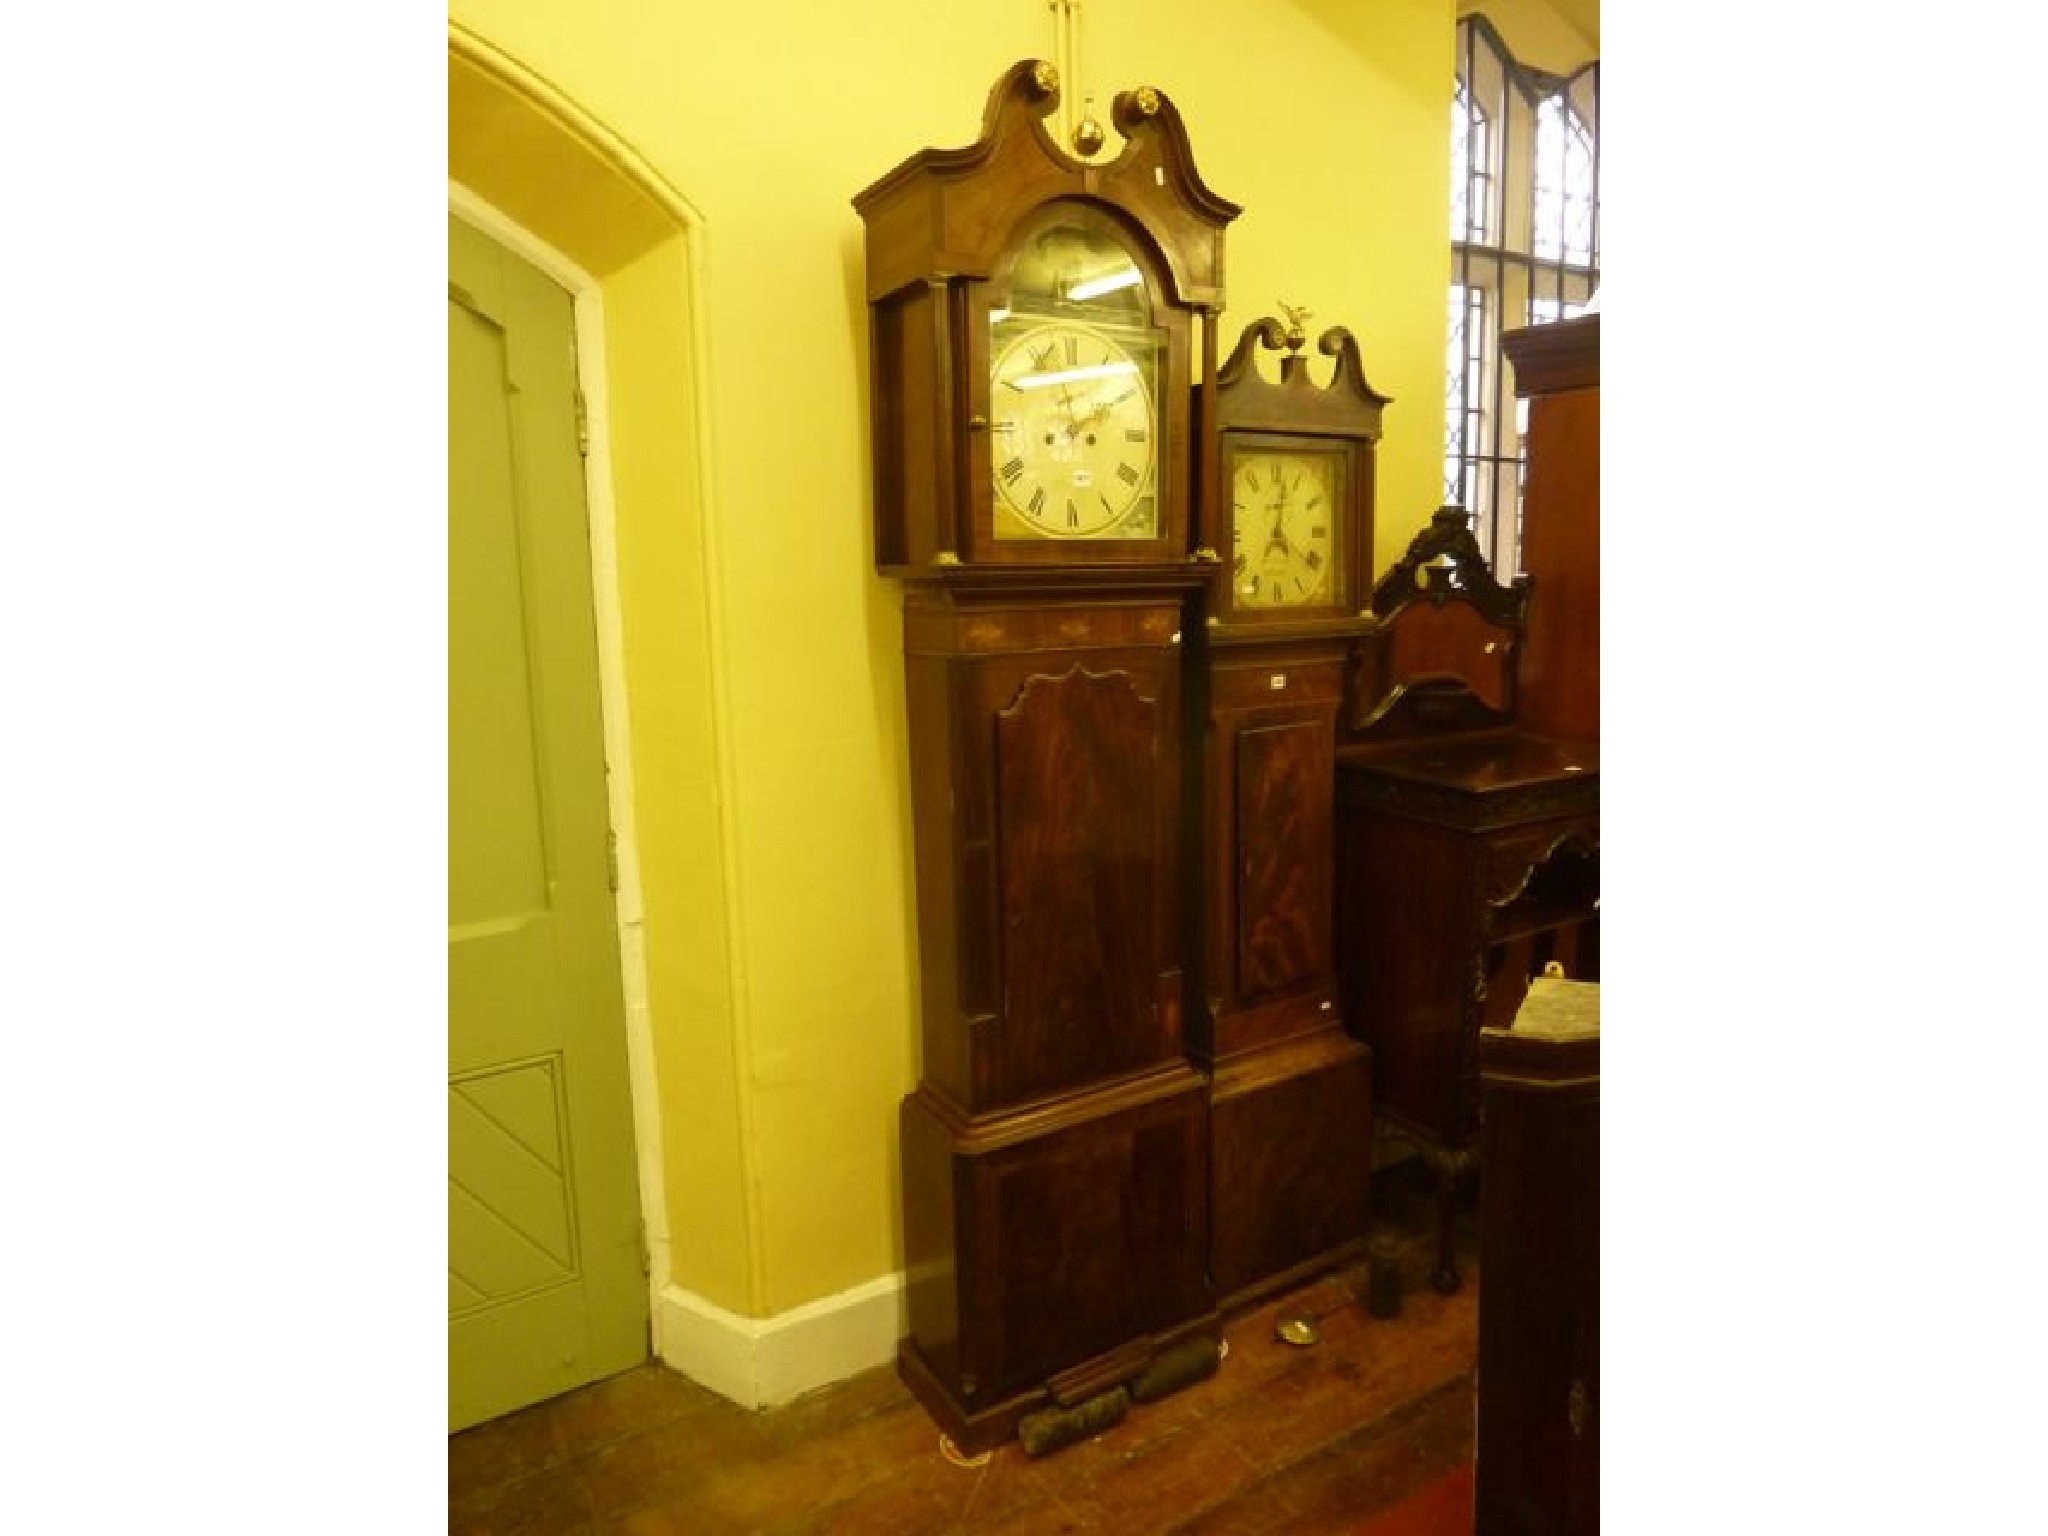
1288	493
1037	325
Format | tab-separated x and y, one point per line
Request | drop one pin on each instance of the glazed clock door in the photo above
1287	529
1292	494
1074	380
545	1285
1079	364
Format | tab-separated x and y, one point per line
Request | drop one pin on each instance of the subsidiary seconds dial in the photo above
1283	507
1072	429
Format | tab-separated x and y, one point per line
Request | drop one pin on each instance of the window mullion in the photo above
1527	152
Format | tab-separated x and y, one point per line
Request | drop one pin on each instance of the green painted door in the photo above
545	1285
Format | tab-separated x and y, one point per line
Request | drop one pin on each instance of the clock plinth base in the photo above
973	1431
1054	1248
1291	1154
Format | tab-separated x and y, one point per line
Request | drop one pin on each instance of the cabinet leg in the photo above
1449	1168
1444	1279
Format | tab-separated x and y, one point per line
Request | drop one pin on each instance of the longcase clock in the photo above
1288	496
1037	326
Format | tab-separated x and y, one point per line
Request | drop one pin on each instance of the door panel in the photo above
1284	824
1077	814
546	1288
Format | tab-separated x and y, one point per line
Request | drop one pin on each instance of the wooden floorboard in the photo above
1282	1439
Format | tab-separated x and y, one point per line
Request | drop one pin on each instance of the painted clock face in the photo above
1074	417
1284	509
1072	432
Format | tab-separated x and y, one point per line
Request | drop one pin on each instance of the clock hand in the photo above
1096	412
1277	539
1103	408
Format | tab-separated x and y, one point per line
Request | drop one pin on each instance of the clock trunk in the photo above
1056	1151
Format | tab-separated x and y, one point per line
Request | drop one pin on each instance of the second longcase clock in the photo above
1288	494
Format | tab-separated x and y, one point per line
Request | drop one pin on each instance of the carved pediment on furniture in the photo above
1442	652
1444	565
1346	406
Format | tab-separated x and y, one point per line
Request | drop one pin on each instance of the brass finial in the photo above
1089	135
1045	77
1297	324
1147	101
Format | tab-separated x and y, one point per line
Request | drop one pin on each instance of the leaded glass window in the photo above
1563	183
1525	249
1470	181
1465	393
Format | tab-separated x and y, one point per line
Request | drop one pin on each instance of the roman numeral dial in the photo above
1074	430
1283	513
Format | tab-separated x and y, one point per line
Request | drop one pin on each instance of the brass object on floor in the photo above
1297	1330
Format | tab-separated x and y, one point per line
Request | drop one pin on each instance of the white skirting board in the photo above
760	1362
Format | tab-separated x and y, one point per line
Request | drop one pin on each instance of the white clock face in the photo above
1283	519
1071	432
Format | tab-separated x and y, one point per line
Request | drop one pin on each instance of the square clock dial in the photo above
1286	539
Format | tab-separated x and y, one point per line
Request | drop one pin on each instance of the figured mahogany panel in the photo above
1266	811
1084	1237
986	705
1291	1160
1283	828
1077	765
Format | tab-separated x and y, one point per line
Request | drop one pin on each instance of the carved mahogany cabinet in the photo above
1468	850
1538	1450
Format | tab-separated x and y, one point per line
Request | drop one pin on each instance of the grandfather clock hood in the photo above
949	210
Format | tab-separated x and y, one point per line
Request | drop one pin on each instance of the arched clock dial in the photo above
1072	432
1283	515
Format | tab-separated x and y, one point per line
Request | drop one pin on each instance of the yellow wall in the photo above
1557	38
669	646
762	653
